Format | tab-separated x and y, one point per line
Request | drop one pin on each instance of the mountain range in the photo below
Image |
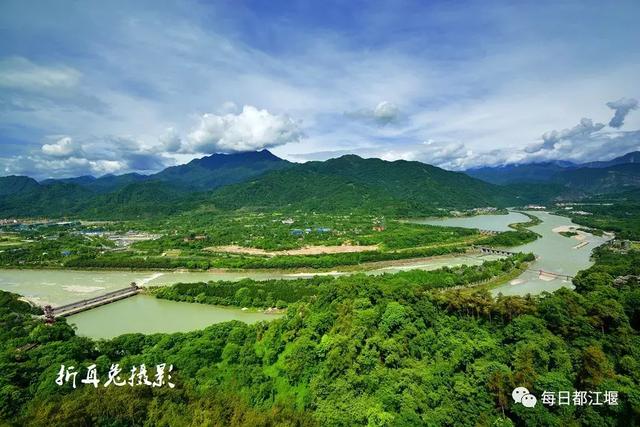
554	171
261	180
562	180
206	173
254	180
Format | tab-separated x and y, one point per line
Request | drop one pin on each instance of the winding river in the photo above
146	314
555	253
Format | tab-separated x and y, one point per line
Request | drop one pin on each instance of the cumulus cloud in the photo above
584	142
449	155
383	114
98	156
251	129
621	108
552	138
170	141
63	147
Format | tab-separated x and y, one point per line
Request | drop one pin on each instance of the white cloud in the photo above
554	138
621	107
63	147
66	157
383	114
251	129
97	85
170	141
20	73
449	155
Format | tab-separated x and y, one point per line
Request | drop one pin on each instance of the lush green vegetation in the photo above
122	260
343	185
374	352
519	236
510	238
54	248
568	233
192	241
623	218
281	293
546	182
594	231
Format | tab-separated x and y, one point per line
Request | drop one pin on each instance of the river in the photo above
483	222
145	314
554	252
58	287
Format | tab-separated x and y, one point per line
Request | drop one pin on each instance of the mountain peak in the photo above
217	160
632	157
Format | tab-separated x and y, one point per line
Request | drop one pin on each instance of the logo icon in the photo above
522	395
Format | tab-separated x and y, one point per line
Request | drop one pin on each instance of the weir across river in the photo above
50	313
493	251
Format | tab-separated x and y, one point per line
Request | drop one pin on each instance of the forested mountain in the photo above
260	180
528	172
300	188
218	170
16	184
352	182
612	179
206	173
84	180
109	183
33	199
417	181
544	171
541	182
633	157
342	184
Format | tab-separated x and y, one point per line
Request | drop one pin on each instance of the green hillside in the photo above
344	184
10	185
33	199
351	182
612	179
218	170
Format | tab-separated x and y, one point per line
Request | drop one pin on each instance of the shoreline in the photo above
372	265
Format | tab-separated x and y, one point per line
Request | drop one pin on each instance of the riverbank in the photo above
341	268
281	293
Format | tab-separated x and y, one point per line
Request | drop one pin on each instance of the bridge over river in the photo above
50	313
551	274
541	273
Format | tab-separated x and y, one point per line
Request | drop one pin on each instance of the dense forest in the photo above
359	352
281	293
256	181
621	217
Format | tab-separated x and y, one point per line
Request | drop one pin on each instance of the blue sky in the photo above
113	87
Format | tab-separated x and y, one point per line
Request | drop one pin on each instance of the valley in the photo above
319	213
298	247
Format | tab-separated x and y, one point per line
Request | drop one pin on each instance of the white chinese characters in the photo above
138	376
565	398
579	398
